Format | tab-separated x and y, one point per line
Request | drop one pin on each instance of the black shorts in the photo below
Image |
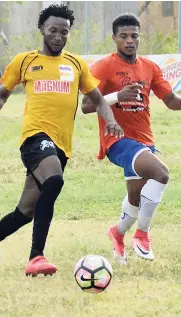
36	148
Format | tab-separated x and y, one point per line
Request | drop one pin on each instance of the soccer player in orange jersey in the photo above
125	81
51	78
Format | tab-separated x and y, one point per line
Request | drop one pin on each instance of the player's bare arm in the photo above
4	95
87	105
173	101
105	112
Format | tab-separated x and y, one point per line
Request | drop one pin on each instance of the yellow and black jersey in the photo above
51	84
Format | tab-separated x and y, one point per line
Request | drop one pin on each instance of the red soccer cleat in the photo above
117	239
141	245
39	265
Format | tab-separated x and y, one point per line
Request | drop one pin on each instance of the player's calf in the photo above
51	188
13	222
151	195
128	216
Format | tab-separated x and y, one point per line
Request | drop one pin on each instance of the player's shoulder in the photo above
103	63
107	59
146	61
77	60
20	57
24	54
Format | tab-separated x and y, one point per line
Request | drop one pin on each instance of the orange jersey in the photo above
133	116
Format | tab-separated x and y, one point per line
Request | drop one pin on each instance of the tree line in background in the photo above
159	44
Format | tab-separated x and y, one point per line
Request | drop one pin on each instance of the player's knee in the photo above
163	175
53	185
130	209
27	207
134	197
28	211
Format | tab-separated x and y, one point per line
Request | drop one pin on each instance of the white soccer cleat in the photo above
117	239
140	243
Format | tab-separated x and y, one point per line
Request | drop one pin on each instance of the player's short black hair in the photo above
56	10
125	20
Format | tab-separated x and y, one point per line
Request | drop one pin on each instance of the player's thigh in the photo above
29	197
123	153
51	166
134	187
48	167
40	157
149	166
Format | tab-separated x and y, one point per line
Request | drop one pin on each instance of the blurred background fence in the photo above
91	33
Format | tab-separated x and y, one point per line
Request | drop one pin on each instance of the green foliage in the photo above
19	43
76	42
25	42
158	44
105	46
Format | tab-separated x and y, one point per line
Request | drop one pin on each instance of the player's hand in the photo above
114	129
130	92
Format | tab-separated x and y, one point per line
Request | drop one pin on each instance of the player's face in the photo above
127	39
55	32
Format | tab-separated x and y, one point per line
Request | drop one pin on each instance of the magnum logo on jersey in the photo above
52	86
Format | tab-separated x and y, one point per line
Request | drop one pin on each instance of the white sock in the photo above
151	195
128	216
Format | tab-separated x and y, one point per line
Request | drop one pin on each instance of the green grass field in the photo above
89	203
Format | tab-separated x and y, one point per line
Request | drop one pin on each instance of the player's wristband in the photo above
111	98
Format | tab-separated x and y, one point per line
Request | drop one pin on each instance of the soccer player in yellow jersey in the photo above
52	79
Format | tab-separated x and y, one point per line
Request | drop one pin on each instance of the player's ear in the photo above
114	38
42	30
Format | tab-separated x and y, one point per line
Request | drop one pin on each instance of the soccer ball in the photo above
93	273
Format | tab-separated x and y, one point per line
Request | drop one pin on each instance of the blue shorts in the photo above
124	153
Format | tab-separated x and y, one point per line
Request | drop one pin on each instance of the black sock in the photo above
44	213
12	222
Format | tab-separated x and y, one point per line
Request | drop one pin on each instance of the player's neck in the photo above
128	59
47	52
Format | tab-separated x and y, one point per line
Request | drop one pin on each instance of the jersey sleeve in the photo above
87	81
12	76
100	70
159	85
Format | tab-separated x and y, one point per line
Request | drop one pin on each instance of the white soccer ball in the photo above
93	273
